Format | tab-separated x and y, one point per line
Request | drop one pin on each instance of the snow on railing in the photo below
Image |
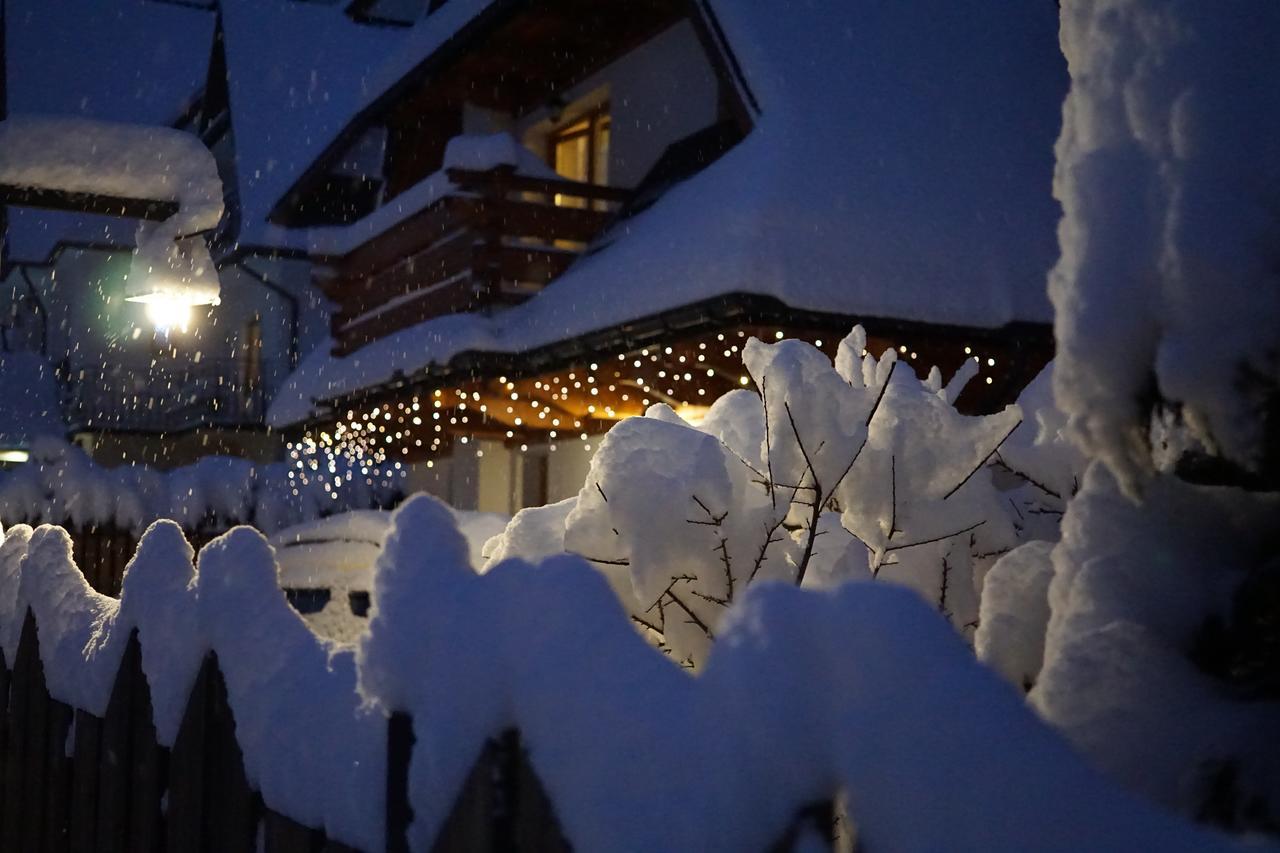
863	690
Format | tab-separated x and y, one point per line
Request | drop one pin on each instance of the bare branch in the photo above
693	617
980	465
936	538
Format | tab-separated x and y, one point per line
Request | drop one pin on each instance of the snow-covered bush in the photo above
1167	293
1151	631
831	472
60	484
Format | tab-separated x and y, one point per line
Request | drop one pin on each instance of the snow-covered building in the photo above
541	218
527	221
129	390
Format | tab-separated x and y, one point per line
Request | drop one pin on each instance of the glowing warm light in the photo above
14	456
165	312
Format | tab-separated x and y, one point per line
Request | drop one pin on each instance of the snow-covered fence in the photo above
198	712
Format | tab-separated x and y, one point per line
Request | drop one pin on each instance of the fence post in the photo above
211	807
400	741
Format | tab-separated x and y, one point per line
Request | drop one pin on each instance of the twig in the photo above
604	562
980	465
693	617
936	538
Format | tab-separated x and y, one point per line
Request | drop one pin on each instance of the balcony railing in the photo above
494	238
166	395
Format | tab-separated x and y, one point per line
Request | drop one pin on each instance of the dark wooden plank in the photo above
233	808
536	826
115	757
6	677
476	181
438	263
283	835
815	819
48	199
546	222
35	755
400	741
471	824
147	760
84	784
57	829
412	235
445	299
186	813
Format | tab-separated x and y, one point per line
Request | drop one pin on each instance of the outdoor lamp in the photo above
170	275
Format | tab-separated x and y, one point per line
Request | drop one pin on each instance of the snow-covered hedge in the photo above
60	484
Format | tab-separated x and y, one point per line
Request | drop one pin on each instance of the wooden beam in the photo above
45	199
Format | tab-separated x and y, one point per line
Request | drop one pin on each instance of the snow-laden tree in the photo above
830	472
1151	632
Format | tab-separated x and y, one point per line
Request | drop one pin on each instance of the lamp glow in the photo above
167	314
170	276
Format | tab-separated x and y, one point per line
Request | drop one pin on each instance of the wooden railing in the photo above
495	239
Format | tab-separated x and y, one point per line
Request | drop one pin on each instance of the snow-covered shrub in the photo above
1167	292
1161	652
1141	669
831	472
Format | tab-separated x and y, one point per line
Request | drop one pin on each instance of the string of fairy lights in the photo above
375	445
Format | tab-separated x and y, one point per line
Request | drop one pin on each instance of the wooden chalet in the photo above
621	103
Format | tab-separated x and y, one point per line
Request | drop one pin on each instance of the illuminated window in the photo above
579	151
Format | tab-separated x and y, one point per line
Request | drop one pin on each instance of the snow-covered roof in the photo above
901	167
299	72
30	400
127	61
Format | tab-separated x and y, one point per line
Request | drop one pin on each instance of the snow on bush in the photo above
831	472
863	689
60	484
1141	668
309	745
1168	287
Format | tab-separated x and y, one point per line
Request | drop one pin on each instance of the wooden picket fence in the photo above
72	782
103	550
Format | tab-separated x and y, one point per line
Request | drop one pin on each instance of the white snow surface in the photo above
339	551
309	745
1132	586
863	687
902	194
1167	174
1015	613
114	159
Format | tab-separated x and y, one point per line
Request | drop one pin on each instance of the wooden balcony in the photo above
494	239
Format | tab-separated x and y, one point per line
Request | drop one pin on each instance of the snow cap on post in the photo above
424	563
